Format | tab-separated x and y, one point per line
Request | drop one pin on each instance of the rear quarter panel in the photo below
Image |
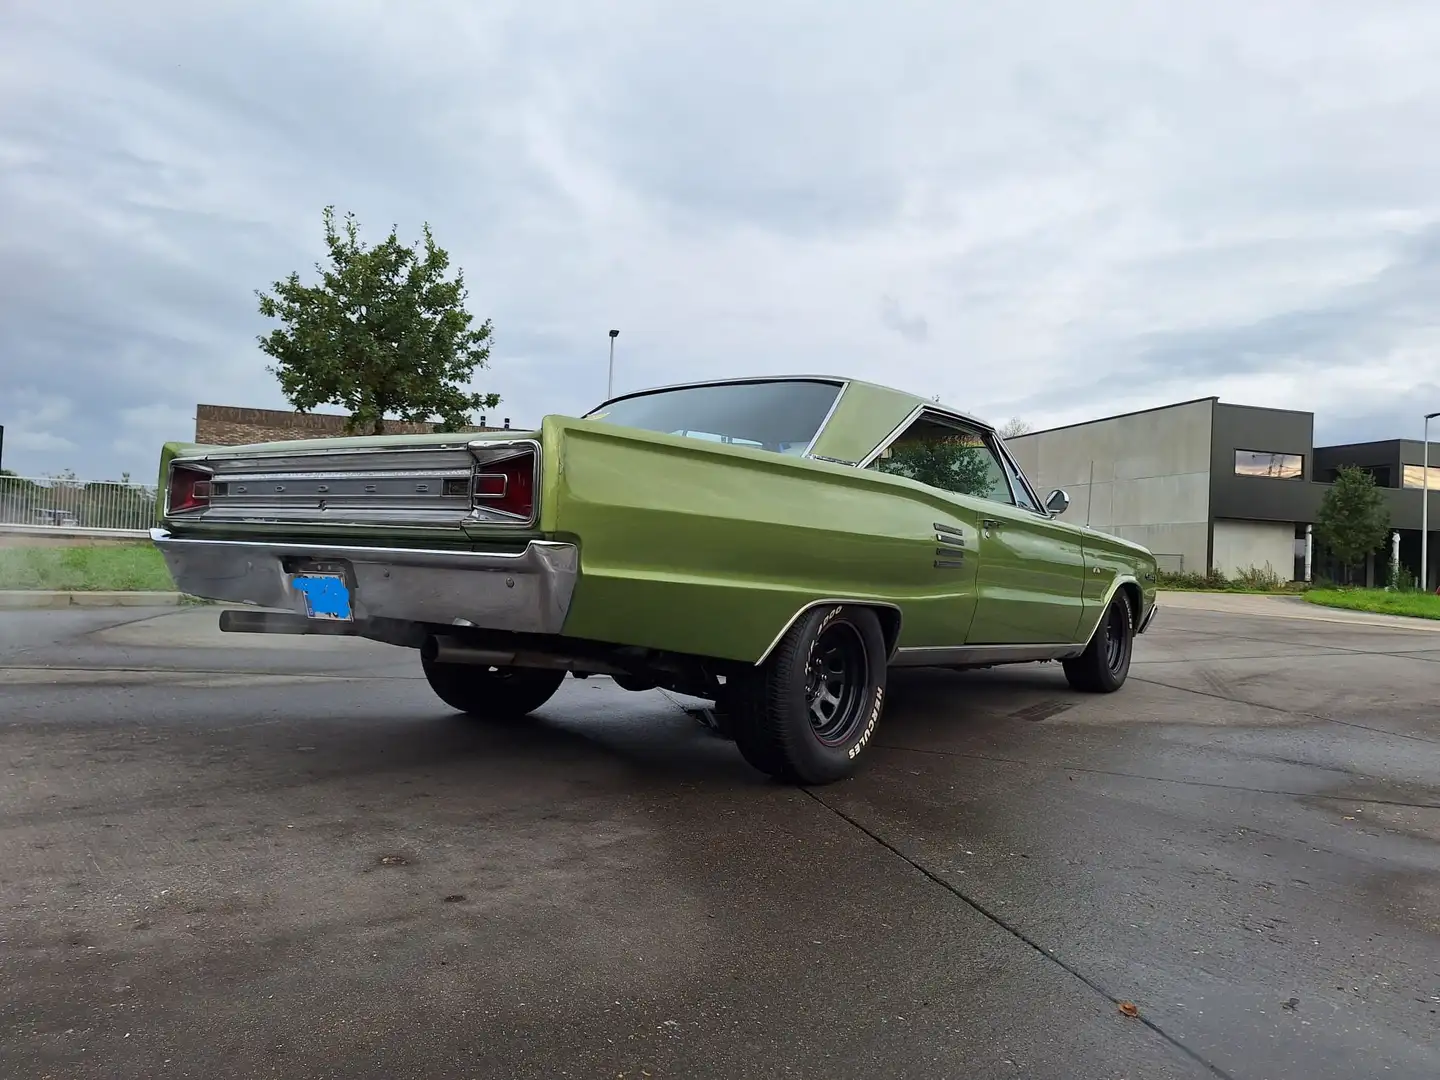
710	549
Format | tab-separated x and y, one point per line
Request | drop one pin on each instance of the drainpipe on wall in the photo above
1090	494
1309	552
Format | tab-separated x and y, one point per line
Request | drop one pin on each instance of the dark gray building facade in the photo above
1139	475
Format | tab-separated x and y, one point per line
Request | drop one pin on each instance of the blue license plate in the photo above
326	596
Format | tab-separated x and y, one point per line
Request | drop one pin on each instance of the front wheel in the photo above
1104	665
808	713
492	693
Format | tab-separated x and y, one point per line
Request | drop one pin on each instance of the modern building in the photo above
1207	485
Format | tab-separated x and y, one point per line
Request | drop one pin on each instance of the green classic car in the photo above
772	544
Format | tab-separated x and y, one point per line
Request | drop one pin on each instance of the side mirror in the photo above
1057	503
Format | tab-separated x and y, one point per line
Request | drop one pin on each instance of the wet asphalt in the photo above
233	856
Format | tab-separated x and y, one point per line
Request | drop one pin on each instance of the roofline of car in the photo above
843	382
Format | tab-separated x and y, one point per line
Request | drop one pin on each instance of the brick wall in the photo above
232	425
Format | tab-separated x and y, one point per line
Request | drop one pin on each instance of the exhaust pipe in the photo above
448	650
439	649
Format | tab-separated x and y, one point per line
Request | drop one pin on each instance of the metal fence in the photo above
65	503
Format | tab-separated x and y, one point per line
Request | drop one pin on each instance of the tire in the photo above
492	693
1104	665
807	715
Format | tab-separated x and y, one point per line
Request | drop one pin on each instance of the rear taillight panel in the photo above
190	489
502	487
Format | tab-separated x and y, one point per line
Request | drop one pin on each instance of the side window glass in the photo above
1022	497
948	457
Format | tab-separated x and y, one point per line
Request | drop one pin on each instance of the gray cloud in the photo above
910	327
1096	207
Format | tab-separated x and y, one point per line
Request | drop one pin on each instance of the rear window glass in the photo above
782	417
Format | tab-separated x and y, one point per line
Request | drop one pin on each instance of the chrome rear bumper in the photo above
1148	619
527	591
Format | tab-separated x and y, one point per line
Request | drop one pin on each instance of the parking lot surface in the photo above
251	856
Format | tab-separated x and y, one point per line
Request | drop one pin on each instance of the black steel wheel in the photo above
1105	664
807	714
491	693
835	683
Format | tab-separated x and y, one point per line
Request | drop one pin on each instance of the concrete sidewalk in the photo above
1286	607
37	599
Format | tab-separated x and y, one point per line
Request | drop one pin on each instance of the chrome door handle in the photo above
991	523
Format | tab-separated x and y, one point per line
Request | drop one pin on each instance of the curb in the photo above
45	599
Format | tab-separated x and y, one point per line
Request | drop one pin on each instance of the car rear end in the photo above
435	529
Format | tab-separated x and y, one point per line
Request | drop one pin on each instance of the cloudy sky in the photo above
1046	210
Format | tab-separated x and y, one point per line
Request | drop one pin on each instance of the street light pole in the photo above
1425	507
610	382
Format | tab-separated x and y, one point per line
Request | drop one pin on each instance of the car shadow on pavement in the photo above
651	735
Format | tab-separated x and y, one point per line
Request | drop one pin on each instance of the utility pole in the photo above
1425	507
610	382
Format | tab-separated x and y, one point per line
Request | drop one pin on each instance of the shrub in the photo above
1259	578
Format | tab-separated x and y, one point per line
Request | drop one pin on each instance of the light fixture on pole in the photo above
610	382
1425	507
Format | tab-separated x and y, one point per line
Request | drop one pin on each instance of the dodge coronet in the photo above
775	545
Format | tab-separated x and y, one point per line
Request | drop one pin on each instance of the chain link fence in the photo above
69	503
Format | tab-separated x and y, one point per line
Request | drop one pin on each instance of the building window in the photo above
1275	466
1415	477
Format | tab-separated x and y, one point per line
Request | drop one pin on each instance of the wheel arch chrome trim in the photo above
1120	581
884	605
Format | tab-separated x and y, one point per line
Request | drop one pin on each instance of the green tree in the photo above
951	464
383	333
1353	519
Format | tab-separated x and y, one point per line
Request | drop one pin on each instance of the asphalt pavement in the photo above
238	856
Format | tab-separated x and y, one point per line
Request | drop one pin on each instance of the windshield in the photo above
780	416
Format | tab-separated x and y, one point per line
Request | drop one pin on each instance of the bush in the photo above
1259	578
1188	579
1255	579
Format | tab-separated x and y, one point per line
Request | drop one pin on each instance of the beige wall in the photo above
1151	477
1246	545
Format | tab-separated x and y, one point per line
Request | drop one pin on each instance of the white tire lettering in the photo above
870	726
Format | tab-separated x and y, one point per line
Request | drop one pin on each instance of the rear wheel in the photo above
492	693
1104	665
808	713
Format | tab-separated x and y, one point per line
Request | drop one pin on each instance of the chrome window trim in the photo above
832	380
915	414
985	431
895	433
825	422
841	385
1039	508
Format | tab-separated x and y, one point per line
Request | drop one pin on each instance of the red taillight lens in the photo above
189	489
507	485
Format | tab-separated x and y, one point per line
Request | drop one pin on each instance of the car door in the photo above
1029	570
1031	582
942	529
